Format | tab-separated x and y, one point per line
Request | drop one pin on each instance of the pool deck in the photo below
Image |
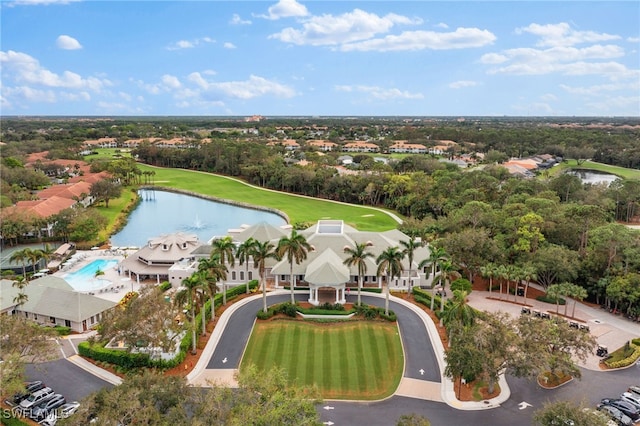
120	284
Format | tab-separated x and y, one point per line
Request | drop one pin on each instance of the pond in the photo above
163	212
593	177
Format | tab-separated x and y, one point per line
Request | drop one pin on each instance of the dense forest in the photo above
564	230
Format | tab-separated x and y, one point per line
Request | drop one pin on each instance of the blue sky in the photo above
340	58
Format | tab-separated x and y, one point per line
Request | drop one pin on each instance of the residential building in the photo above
360	146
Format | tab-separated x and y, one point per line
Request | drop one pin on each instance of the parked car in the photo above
599	415
30	387
634	389
36	398
631	398
62	412
41	411
624	406
615	414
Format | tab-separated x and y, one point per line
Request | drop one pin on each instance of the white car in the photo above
36	398
62	412
632	398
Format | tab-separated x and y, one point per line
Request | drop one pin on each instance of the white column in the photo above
337	295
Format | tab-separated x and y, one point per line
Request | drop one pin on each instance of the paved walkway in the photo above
608	329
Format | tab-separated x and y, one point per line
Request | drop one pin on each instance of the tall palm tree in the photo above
579	293
224	249
260	253
409	249
515	273
243	254
436	255
447	270
295	247
216	271
389	262
189	295
34	256
201	279
528	273
46	253
357	257
21	298
503	273
21	256
489	271
458	311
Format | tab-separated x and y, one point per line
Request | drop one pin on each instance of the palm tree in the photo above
458	311
216	271
201	279
243	254
260	253
46	253
516	275
436	255
503	273
528	273
447	270
409	249
489	271
21	298
34	256
224	249
389	261
21	256
578	293
189	295
357	257
295	247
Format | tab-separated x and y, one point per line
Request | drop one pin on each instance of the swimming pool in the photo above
85	280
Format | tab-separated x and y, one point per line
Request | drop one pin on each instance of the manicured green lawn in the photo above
299	209
348	360
591	165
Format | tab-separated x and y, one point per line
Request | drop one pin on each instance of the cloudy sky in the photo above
341	58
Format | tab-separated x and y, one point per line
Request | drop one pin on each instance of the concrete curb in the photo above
207	352
95	370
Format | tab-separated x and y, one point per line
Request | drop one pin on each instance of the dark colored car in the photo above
615	414
624	406
41	411
30	387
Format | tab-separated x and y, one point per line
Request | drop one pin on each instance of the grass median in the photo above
360	360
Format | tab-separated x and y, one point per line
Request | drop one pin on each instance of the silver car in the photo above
36	398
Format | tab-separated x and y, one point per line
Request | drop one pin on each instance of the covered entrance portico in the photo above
327	294
327	271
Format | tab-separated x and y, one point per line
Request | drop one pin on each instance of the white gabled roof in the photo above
326	269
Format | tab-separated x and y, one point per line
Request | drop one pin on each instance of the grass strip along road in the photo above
299	209
346	360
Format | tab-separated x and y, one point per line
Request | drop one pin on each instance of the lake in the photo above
593	177
163	212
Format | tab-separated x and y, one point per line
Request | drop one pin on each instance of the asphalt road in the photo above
526	396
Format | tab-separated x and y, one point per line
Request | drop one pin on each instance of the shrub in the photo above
288	309
545	298
165	286
461	284
629	360
62	330
265	315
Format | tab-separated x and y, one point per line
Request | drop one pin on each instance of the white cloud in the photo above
189	44
237	20
461	38
462	83
38	2
549	97
68	43
616	103
254	87
442	25
328	30
563	35
633	39
286	9
29	94
229	45
23	68
599	89
171	82
379	92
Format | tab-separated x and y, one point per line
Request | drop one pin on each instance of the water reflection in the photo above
162	212
593	177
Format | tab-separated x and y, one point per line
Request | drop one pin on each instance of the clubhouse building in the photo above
323	272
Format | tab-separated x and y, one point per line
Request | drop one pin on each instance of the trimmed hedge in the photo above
164	286
630	360
545	298
130	360
424	298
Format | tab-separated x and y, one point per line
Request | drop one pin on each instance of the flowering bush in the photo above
124	302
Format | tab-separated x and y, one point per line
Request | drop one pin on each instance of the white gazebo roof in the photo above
327	269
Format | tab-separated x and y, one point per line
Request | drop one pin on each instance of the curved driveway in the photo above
420	359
